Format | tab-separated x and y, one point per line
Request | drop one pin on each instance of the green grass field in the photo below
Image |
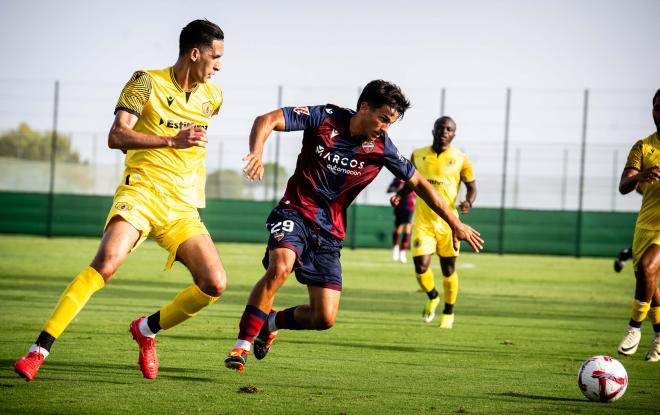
524	324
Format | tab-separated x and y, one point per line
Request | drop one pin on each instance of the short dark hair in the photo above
443	118
657	94
379	93
199	34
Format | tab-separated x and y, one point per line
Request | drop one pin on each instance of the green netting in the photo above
525	231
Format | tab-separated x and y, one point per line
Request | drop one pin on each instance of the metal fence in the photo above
531	148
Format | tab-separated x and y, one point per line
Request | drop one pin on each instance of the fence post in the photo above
443	94
53	151
500	248
277	148
564	180
578	238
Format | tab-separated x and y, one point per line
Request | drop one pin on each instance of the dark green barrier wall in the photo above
525	231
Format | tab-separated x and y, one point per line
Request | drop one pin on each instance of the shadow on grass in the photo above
539	397
130	371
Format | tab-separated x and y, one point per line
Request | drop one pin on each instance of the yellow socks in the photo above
73	299
450	288
639	310
185	305
426	280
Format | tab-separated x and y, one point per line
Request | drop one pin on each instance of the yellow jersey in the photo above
163	108
444	171
644	154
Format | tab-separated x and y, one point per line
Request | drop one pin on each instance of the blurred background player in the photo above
642	171
445	167
160	123
403	203
342	152
623	255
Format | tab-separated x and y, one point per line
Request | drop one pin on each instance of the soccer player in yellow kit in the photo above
160	123
445	167
642	172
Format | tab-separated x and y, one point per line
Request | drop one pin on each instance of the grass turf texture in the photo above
524	324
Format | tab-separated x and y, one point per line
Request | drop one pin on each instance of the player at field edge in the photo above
445	167
642	171
403	204
342	152
160	123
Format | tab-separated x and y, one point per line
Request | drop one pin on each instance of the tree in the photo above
227	184
26	143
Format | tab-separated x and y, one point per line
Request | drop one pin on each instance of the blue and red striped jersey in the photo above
333	167
406	194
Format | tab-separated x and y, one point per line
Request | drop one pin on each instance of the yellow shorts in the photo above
432	237
642	240
154	215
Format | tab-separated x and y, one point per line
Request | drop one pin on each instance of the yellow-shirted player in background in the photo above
642	172
160	123
445	167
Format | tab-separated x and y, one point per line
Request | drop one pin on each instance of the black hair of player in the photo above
442	119
657	94
378	93
199	34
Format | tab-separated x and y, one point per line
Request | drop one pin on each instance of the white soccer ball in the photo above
602	379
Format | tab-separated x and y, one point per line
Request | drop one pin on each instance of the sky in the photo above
509	43
548	52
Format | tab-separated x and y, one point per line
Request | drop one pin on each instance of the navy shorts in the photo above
317	251
402	216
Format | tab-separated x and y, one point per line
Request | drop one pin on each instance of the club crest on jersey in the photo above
451	162
123	206
368	146
278	236
301	110
207	109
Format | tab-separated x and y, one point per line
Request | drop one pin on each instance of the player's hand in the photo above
254	168
395	200
465	206
465	233
650	174
190	136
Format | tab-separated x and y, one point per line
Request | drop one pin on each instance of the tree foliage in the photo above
26	143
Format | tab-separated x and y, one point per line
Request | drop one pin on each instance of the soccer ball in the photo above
602	379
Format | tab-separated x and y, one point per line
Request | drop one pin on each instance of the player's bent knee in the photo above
324	322
214	285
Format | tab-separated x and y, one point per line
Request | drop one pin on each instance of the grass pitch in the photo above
524	324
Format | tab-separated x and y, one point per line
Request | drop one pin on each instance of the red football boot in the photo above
236	359
29	365
147	359
263	341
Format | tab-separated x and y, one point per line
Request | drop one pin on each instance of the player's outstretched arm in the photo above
470	196
123	137
261	128
460	230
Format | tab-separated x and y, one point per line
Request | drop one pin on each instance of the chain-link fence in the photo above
565	149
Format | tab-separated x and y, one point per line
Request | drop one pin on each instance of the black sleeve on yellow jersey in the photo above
634	160
135	94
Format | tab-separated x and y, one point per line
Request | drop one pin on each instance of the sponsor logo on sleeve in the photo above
123	206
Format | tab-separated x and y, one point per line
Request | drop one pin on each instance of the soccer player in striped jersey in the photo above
342	152
642	172
160	123
445	167
403	203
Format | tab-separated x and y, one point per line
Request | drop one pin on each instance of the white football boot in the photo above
654	352
402	257
630	341
395	253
